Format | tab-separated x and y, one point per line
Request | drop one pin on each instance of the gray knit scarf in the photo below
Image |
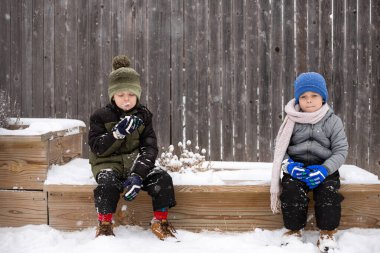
293	115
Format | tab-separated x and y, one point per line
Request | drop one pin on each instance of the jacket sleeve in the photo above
147	151
339	146
99	139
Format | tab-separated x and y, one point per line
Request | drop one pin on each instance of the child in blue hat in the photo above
311	145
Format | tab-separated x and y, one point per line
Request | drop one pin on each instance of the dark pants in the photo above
327	199
158	184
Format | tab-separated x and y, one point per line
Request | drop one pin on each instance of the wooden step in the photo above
224	208
25	159
19	208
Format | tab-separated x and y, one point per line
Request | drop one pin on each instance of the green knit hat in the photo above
123	77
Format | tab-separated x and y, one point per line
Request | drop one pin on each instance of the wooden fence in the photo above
216	72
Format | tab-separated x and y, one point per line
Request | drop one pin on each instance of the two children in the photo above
123	151
310	147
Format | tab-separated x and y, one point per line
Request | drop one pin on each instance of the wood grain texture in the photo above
24	160
220	208
19	208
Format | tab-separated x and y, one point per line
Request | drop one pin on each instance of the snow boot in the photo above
291	236
162	229
327	240
104	228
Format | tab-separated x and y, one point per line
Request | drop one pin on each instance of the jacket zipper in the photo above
309	143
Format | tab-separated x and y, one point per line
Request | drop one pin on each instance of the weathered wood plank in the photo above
27	51
239	82
38	59
202	72
15	89
5	45
71	210
83	67
227	80
105	50
288	70
264	96
73	98
350	81
190	68
19	174
225	208
215	79
153	23
252	81
336	97
312	35
374	146
141	54
301	36
94	56
163	70
177	75
20	208
60	63
363	95
276	50
24	160
325	47
48	61
64	149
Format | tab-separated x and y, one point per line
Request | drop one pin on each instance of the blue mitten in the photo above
317	173
126	126
294	169
132	186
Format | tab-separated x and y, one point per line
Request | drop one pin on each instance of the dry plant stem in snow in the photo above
7	109
188	159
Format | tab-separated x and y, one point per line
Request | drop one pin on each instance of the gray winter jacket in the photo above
324	143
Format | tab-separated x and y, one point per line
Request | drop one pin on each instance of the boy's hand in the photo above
317	173
294	169
126	126
132	187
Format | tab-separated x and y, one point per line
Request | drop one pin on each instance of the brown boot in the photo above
162	229
104	228
291	236
327	240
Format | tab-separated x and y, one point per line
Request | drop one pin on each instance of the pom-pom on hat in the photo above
310	81
123	77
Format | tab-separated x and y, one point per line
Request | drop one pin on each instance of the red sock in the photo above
105	217
161	215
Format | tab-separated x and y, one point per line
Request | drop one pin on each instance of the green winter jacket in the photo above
135	153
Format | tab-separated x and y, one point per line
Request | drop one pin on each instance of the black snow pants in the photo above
327	202
158	184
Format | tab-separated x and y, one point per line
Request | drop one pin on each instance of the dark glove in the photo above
295	169
126	126
132	186
317	173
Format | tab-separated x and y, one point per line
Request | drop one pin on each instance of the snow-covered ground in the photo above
42	238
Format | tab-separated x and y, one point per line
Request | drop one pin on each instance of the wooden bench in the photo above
223	208
24	164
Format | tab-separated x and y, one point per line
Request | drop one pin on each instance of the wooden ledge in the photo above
263	188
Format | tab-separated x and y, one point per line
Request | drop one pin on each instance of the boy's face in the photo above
310	101
125	100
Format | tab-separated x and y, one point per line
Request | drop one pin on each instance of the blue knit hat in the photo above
310	81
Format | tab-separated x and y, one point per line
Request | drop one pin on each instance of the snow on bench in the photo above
233	196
